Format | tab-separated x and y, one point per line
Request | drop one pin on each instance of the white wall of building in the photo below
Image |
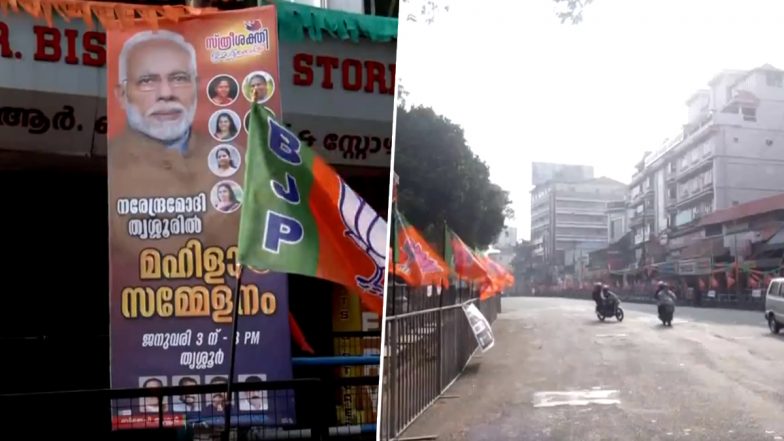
507	238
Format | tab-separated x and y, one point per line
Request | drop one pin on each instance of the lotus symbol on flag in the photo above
368	231
414	252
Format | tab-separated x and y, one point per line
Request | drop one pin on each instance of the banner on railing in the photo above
481	327
178	100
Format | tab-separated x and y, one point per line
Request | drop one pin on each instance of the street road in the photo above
557	373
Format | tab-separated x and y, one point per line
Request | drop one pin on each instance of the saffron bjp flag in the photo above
415	260
505	277
494	283
461	259
300	217
499	278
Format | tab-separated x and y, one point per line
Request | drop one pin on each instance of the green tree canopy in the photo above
441	179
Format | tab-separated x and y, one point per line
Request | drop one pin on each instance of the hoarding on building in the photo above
177	99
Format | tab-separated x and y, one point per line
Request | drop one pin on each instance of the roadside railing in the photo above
300	409
428	344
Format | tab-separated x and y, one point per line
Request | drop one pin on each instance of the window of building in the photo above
774	79
713	230
707	149
749	114
684	163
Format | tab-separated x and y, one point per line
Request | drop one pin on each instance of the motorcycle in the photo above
609	310
665	314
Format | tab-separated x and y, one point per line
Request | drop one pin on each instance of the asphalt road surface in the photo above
557	373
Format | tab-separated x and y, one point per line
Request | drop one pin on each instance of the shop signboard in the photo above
52	86
693	267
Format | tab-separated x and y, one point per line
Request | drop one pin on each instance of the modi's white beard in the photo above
164	131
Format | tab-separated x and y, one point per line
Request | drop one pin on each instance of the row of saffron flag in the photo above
300	217
418	264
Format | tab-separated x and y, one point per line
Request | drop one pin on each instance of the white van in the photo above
774	305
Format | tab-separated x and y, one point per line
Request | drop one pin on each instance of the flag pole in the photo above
235	318
393	240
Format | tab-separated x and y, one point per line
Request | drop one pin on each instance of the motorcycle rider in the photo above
597	294
610	299
664	296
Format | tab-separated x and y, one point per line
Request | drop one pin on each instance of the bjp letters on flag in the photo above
300	217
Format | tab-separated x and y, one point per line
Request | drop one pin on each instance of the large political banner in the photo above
178	103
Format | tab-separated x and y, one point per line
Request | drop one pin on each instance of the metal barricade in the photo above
428	344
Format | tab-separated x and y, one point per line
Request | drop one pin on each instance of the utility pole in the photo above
643	256
737	256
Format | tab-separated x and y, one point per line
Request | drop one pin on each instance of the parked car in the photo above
774	305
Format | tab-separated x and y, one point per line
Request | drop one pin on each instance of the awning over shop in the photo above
776	242
712	246
753	208
297	22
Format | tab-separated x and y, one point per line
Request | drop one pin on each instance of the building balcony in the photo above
586	196
704	163
617	205
581	238
540	226
641	196
573	210
689	134
639	218
583	224
689	198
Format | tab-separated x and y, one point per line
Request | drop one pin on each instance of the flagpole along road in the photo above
557	373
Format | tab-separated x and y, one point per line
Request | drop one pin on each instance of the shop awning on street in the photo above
709	247
776	242
741	211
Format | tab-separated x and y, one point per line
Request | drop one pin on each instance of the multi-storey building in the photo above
503	250
618	215
728	152
571	216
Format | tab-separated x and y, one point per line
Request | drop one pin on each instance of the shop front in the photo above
337	93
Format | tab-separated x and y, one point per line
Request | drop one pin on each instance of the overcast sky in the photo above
527	88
